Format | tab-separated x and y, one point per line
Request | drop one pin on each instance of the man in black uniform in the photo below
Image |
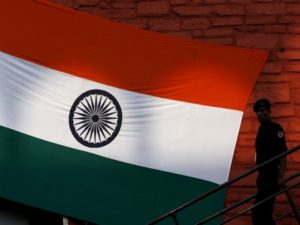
270	141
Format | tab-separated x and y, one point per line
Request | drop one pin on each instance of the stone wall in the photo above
267	24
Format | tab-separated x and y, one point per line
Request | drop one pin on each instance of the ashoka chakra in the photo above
95	118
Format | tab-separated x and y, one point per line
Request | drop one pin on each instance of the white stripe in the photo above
167	135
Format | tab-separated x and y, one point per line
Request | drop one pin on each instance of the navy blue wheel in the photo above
95	118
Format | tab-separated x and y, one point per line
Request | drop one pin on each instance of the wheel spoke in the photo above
99	105
83	126
98	133
88	131
82	114
102	105
101	129
83	110
107	121
86	127
92	102
107	114
89	106
103	109
107	110
86	108
83	121
104	126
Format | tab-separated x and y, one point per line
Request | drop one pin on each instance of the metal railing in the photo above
235	205
173	213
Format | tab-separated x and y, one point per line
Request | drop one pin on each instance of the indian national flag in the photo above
112	124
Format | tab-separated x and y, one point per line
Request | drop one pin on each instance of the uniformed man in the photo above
270	141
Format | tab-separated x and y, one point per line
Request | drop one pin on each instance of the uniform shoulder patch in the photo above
280	134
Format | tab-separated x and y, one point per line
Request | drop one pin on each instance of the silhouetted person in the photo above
270	141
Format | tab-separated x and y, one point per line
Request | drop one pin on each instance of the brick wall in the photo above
267	24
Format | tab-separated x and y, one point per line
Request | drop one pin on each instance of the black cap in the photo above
262	103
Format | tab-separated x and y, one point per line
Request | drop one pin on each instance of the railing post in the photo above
293	206
175	218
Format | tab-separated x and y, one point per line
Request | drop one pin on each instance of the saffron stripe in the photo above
127	57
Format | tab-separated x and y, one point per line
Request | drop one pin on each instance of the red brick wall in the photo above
267	24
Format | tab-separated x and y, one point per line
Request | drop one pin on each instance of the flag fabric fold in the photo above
113	124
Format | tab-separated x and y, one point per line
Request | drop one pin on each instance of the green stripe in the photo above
94	188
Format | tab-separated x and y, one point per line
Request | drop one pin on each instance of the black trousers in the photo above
267	184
